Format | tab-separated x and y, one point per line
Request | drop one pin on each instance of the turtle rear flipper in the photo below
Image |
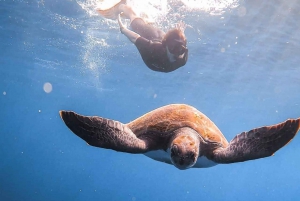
104	133
258	143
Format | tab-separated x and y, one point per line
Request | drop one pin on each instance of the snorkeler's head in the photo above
175	42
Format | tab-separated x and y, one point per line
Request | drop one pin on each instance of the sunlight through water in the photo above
154	9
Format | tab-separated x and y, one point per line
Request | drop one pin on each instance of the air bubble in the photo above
47	87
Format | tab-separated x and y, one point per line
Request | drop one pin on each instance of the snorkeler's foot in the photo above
112	12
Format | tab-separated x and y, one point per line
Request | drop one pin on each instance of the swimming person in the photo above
163	52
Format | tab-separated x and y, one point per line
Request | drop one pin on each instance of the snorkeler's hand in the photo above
120	24
132	36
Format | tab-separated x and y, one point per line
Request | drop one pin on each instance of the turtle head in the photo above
184	148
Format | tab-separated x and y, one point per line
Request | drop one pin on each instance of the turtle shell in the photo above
171	117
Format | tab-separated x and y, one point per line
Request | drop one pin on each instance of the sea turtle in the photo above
181	135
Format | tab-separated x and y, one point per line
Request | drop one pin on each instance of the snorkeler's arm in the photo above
132	36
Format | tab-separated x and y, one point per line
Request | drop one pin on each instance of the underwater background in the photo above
243	72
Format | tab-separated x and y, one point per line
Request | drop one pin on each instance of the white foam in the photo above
157	10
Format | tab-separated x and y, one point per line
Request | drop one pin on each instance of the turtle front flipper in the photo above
104	133
258	143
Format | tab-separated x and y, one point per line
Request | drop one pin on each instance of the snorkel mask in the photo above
177	48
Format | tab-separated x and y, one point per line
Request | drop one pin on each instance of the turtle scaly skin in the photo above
181	135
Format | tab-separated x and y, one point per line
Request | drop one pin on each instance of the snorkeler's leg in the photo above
127	12
112	12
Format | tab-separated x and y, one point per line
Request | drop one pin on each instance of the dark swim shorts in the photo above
145	30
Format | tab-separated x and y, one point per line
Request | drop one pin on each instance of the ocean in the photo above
242	72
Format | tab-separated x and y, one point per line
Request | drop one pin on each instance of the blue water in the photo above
243	72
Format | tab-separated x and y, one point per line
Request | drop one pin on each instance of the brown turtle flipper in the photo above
258	143
104	133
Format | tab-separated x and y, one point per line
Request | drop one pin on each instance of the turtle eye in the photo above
174	150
